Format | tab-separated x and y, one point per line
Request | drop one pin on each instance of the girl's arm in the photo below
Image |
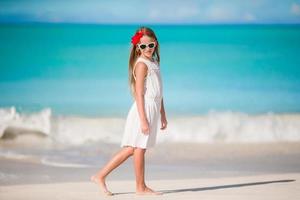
141	73
162	109
164	121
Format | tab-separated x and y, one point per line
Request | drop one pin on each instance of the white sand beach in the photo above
271	186
193	171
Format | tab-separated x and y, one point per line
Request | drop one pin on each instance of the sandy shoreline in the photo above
181	171
272	186
164	162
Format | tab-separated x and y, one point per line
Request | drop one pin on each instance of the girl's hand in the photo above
145	127
164	122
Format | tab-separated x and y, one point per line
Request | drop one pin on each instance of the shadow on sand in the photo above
225	186
197	189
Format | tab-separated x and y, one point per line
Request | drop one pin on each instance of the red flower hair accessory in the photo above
136	38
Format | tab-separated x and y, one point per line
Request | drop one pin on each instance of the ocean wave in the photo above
212	127
39	122
234	127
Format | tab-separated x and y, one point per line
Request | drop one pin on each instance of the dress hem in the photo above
134	146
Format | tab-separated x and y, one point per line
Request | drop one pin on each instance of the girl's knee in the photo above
130	150
140	150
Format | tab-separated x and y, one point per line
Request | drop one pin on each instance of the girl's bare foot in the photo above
102	185
147	191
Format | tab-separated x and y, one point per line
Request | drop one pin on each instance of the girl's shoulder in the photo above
140	59
149	63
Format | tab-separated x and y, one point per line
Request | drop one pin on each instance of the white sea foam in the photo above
78	130
234	127
212	127
15	155
49	162
40	121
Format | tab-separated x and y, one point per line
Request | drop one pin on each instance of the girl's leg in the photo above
118	159
139	165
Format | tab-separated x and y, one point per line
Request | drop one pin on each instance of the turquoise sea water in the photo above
83	69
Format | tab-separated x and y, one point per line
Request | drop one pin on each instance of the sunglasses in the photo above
150	45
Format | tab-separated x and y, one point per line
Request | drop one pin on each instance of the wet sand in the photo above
179	170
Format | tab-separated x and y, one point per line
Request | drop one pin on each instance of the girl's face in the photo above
147	46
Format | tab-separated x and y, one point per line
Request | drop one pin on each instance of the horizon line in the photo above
146	23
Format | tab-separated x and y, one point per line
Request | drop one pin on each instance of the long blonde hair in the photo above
135	53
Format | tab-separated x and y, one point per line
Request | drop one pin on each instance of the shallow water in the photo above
82	69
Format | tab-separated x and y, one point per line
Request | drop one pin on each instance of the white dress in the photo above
133	135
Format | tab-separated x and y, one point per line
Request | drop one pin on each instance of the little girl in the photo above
143	117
